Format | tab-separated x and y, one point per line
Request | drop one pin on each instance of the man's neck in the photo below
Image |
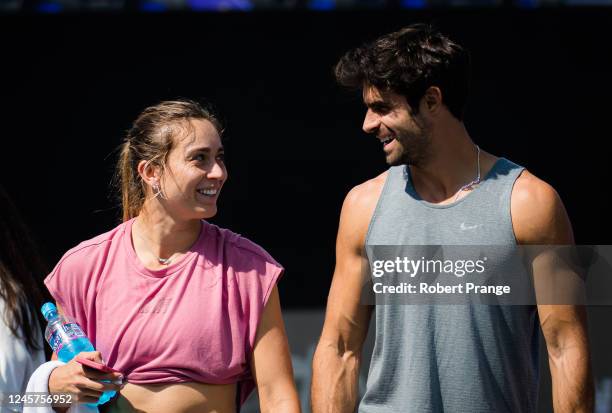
452	163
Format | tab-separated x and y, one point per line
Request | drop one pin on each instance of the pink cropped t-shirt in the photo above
193	321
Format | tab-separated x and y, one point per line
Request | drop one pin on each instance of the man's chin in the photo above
394	160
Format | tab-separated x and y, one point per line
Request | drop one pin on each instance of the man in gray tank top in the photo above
440	189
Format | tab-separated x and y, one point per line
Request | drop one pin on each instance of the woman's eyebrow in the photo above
203	149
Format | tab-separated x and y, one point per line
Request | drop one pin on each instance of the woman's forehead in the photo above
199	133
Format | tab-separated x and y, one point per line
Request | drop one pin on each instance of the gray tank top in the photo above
451	358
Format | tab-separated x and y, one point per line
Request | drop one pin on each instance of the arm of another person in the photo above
80	381
539	217
15	358
271	362
336	363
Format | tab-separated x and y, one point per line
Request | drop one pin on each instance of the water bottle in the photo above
67	340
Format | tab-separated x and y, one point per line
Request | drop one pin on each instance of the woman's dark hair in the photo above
408	62
21	274
150	139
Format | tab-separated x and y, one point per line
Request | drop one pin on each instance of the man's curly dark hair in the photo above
408	62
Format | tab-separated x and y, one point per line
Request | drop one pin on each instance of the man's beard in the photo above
414	149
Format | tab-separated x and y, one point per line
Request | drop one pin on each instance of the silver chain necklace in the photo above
162	261
475	181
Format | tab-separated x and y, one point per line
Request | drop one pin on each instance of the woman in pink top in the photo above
187	311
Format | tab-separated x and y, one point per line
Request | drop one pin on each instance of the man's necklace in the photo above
476	181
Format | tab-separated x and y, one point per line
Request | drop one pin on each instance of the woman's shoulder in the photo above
252	268
75	274
237	246
86	251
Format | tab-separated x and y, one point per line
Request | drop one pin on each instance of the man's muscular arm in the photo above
335	382
539	217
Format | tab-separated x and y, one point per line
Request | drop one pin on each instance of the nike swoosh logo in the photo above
466	227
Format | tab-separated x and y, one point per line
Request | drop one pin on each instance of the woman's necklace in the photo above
475	181
162	261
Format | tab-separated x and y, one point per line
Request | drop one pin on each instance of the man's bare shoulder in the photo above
538	214
357	211
365	195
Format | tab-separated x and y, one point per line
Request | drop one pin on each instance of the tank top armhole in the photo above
378	206
508	201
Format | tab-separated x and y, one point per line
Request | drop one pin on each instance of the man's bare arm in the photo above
539	217
335	382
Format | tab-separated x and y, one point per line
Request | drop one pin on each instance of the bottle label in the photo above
56	342
71	331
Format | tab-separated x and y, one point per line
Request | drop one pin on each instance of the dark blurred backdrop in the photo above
72	83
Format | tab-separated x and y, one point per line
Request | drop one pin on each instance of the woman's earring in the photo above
157	191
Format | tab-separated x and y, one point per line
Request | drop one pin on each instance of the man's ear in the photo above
432	99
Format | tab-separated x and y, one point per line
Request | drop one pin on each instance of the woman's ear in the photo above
149	173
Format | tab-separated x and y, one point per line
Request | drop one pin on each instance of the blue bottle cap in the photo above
47	309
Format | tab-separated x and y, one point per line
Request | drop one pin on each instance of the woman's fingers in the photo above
95	374
92	355
99	375
85	383
86	391
112	386
96	386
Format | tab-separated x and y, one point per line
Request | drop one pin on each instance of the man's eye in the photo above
381	109
221	157
200	157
